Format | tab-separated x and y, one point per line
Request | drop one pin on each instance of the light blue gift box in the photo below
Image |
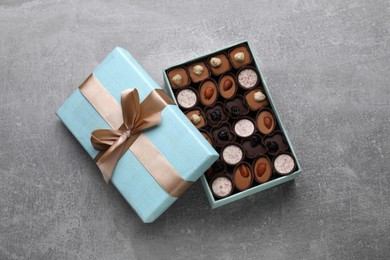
273	182
175	137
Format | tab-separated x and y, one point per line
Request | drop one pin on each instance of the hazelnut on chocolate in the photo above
259	96
215	62
239	57
195	119
198	70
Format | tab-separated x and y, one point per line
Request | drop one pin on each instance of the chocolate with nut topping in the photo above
208	92
198	71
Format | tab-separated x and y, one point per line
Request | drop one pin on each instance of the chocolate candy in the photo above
247	78
187	98
222	134
216	114
244	127
265	122
253	100
284	164
262	169
276	143
232	154
198	72
221	186
178	73
208	92
240	57
223	66
242	176
253	146
227	86
236	107
197	113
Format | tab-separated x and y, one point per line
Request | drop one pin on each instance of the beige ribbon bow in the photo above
137	117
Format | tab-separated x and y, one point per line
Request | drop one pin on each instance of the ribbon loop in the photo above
137	117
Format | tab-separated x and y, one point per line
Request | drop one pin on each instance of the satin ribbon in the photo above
128	123
137	117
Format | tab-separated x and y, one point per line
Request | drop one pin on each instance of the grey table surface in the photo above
327	64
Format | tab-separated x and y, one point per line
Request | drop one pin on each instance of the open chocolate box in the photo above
225	96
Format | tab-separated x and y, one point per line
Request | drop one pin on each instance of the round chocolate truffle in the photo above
178	78
208	92
221	186
247	78
186	98
262	169
242	177
227	86
232	154
266	122
284	164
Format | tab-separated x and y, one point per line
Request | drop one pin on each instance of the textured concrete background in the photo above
327	64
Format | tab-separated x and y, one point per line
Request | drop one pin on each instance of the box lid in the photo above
182	144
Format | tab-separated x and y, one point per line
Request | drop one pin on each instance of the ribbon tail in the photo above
108	161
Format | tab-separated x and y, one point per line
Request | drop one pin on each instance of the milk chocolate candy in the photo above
227	86
262	169
194	70
197	112
242	176
208	92
265	121
253	101
178	73
236	60
224	64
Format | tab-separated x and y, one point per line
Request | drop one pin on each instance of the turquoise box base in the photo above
175	137
273	182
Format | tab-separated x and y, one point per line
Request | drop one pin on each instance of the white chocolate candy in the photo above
284	164
195	119
186	98
222	186
258	96
232	154
198	70
215	62
239	57
247	78
244	128
177	80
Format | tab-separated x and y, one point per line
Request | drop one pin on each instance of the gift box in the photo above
225	96
141	140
